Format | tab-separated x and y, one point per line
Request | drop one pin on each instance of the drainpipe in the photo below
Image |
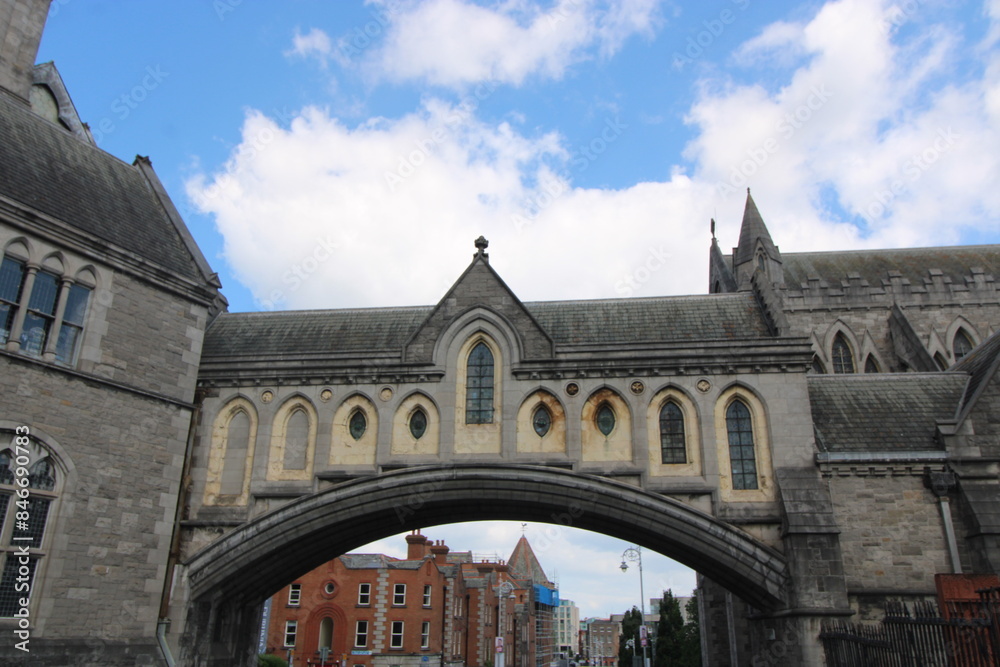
940	483
161	638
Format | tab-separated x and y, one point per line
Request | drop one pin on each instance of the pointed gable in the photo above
752	231
523	564
479	287
720	276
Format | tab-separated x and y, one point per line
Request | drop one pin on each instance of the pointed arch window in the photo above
842	357
817	366
17	533
479	386
871	366
358	424
418	423
672	444
742	459
962	345
542	421
605	419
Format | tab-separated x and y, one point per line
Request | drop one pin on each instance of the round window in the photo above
329	588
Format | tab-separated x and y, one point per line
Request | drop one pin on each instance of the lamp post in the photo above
503	591
634	554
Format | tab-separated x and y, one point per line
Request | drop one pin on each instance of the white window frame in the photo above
361	634
294	595
291	630
399	595
364	595
425	635
396	634
428	590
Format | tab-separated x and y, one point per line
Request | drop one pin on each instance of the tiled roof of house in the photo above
45	168
648	320
883	411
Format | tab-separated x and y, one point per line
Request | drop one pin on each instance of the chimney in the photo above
416	546
21	24
440	551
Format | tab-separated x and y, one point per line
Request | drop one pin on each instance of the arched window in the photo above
605	419
542	421
418	423
672	444
871	366
16	532
479	386
962	345
325	633
296	440
358	424
842	357
237	449
742	458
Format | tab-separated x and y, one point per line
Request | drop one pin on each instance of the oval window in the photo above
605	419
542	421
418	424
329	588
358	424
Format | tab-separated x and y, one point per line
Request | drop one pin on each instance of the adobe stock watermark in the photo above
898	14
758	156
123	105
580	160
301	270
224	7
631	282
352	44
424	148
249	150
713	28
911	171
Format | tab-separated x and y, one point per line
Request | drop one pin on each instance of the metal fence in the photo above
966	635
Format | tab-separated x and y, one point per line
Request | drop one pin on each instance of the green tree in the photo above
690	654
669	632
630	631
268	660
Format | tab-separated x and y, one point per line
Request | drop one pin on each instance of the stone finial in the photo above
481	245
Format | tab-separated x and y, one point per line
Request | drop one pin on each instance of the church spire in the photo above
756	250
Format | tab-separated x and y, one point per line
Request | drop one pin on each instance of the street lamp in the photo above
634	554
504	590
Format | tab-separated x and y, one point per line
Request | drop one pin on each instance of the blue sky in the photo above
340	154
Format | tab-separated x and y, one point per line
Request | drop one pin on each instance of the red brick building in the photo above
433	608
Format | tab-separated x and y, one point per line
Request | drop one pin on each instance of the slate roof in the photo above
523	564
319	332
296	332
874	266
883	411
46	168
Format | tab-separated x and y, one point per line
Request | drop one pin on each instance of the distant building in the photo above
602	641
568	628
435	607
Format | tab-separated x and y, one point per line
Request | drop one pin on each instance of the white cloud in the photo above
315	43
865	129
455	43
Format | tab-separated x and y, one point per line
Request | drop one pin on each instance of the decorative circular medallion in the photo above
325	395
385	393
267	397
572	389
637	387
704	385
